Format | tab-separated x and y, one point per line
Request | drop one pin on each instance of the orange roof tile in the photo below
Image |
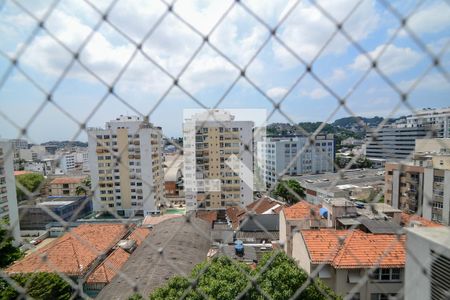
301	210
260	206
264	204
18	173
408	219
106	271
139	234
354	248
74	252
209	216
362	249
67	180
323	244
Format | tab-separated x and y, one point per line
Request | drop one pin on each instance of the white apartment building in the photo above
126	164
439	118
422	185
427	271
73	160
275	155
214	141
8	197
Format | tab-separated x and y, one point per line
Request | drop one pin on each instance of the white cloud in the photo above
434	82
307	29
431	19
316	94
393	60
338	75
276	92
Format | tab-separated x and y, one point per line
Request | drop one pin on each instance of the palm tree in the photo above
84	187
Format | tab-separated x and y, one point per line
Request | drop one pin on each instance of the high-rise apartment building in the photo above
278	155
439	118
422	185
125	160
8	197
218	160
397	141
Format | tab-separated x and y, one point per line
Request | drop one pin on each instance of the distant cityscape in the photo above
343	200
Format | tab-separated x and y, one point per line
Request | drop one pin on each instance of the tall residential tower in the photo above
218	160
125	159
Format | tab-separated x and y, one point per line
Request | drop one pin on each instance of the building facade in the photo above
355	264
394	142
65	186
218	160
125	160
278	155
421	186
427	271
8	197
439	117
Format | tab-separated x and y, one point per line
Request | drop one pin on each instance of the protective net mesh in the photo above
175	54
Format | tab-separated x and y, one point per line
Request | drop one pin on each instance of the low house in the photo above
263	206
302	215
353	263
74	253
65	186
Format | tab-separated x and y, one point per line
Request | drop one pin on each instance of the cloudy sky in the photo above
206	75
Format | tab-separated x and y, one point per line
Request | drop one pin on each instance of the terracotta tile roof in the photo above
323	244
18	173
264	205
301	210
362	249
139	234
408	220
153	220
209	216
72	253
67	180
106	271
346	249
260	206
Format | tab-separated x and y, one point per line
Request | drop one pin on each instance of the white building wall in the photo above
8	197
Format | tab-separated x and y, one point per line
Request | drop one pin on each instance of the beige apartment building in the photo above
126	163
218	161
65	186
343	260
422	185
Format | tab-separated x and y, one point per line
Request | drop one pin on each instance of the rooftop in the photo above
408	220
263	205
347	249
301	210
74	252
106	271
67	180
153	220
184	244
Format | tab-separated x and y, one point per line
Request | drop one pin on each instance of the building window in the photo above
386	274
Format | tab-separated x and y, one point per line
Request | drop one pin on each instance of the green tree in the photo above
84	187
30	182
8	253
225	279
291	195
41	285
